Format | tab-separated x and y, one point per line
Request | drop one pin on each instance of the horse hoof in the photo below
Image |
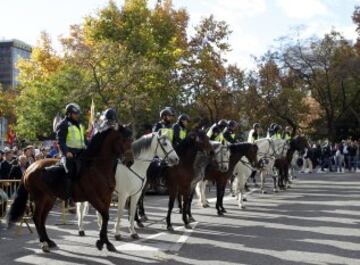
81	233
220	214
45	247
242	207
170	228
110	247
135	236
275	190
52	244
118	237
99	245
144	218
187	226
244	200
263	192
223	210
180	211
140	224
192	219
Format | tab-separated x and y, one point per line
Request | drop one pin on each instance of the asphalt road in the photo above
317	221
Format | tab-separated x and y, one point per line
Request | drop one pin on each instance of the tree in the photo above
329	68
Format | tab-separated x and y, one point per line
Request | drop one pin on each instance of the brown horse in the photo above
179	178
94	182
221	178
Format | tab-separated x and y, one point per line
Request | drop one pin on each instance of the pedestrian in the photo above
17	171
5	165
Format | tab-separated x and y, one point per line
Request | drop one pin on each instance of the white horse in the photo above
269	150
222	158
131	181
242	172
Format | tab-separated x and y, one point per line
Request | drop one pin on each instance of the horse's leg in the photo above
198	192
218	198
39	206
133	203
223	188
191	218
181	207
172	196
120	210
186	199
48	204
262	180
80	211
205	202
142	214
99	219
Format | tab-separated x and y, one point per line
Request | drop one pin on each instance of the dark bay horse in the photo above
237	151
298	143
94	182
178	178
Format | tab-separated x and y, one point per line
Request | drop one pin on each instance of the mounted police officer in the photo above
229	132
71	139
254	133
165	124
107	120
287	135
180	129
215	133
276	132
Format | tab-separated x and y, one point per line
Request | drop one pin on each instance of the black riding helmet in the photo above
256	125
231	124
72	108
167	111
110	115
183	117
222	123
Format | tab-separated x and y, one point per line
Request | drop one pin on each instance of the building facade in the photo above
10	52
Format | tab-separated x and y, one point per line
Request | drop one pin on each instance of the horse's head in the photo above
299	143
222	155
202	141
251	155
121	144
163	148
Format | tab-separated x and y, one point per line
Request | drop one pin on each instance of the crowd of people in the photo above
335	157
14	161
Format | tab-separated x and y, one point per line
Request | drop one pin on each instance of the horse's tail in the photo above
18	207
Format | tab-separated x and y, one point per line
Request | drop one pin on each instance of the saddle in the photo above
73	166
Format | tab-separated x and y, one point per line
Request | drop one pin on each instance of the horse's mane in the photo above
185	144
239	147
144	142
96	143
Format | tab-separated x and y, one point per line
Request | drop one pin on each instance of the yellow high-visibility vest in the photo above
169	132
75	137
182	134
220	137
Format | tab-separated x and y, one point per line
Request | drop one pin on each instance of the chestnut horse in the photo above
94	181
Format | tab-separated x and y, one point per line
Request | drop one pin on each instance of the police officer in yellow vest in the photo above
215	133
287	133
229	132
71	139
277	132
254	133
180	129
165	124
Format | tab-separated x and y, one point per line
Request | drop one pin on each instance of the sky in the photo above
255	24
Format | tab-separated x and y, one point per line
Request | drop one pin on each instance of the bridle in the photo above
220	150
167	153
